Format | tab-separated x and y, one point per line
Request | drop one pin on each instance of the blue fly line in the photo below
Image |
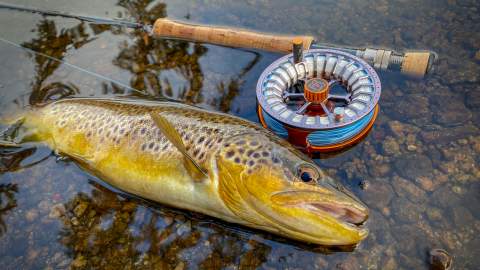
322	137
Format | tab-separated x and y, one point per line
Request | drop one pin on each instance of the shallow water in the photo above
417	170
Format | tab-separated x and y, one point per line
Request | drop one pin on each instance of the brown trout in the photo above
203	161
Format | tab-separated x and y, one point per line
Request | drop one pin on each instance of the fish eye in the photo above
307	173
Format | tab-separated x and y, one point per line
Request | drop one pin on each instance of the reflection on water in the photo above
7	203
417	170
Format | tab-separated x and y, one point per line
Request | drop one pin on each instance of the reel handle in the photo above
229	37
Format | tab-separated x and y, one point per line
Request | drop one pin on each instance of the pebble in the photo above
57	211
440	260
426	183
412	166
405	188
434	214
380	195
180	266
79	262
390	146
31	215
411	147
477	55
80	209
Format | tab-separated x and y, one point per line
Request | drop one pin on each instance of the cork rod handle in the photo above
229	37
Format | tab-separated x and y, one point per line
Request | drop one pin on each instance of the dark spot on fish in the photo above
201	139
89	134
241	150
201	155
108	134
157	147
216	131
144	146
122	131
150	146
208	142
237	160
253	143
256	155
249	152
262	161
115	129
230	153
187	136
143	131
196	151
241	142
276	160
220	140
264	154
226	145
251	163
165	146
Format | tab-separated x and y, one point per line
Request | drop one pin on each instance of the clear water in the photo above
417	170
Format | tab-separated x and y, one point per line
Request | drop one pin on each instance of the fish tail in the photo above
14	131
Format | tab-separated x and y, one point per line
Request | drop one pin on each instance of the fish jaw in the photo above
308	213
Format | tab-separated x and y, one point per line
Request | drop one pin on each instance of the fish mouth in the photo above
342	207
352	216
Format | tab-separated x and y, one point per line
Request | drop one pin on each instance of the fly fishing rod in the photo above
414	63
321	98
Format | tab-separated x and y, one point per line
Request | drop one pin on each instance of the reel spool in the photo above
322	102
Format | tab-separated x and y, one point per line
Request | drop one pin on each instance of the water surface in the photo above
417	170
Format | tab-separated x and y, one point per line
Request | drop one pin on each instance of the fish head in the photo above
270	185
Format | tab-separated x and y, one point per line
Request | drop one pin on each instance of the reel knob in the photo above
316	90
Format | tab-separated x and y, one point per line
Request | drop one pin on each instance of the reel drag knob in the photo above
316	90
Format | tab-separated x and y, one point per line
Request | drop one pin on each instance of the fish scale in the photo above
129	125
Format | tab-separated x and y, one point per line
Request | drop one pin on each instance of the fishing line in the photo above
98	76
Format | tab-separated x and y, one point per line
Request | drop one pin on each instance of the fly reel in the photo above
322	102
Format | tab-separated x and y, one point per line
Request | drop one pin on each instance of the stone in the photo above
390	264
411	147
180	266
407	211
462	217
79	262
472	99
350	263
31	215
413	165
447	135
450	110
434	214
80	209
380	170
426	183
379	195
390	146
420	115
405	188
440	260
58	210
444	197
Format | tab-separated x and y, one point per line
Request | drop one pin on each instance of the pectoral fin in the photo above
172	135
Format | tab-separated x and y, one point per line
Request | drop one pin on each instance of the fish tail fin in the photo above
13	132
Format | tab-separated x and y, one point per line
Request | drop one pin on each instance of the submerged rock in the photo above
440	260
412	166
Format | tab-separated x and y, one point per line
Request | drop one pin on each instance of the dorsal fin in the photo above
172	135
